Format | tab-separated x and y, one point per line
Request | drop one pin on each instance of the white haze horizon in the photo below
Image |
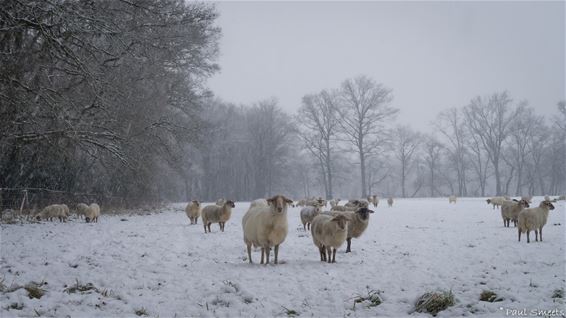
433	55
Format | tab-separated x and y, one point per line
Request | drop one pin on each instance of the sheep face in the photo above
341	221
488	201
87	219
195	202
523	203
364	213
279	203
230	203
547	204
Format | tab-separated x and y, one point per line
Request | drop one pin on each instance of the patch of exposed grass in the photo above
34	290
434	302
488	295
558	293
290	312
141	312
81	288
372	299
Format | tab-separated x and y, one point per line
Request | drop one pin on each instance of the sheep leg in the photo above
540	233
250	252
267	252
196	220
349	241
276	253
329	252
536	235
221	227
204	224
305	227
262	255
528	239
519	230
322	253
334	255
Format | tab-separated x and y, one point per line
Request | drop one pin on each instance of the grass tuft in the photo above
558	293
141	312
433	302
34	290
372	299
488	295
290	312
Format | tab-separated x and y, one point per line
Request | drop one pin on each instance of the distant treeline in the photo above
110	98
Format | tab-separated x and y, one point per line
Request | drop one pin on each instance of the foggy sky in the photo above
434	55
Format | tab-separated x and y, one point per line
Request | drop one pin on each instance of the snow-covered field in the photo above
160	265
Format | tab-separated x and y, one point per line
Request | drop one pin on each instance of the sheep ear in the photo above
288	200
515	200
370	211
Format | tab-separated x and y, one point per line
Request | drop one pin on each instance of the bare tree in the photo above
451	125
491	119
432	153
318	128
364	112
405	144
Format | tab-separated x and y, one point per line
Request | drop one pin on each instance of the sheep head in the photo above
279	203
230	203
523	203
547	205
488	201
364	213
341	221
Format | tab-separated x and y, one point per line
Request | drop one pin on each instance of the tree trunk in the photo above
329	194
363	172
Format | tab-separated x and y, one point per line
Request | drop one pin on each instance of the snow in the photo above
163	265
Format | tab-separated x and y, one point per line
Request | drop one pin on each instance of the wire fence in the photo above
24	202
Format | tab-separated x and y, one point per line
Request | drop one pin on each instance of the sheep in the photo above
92	213
534	219
359	221
308	213
220	202
390	201
50	212
375	200
329	232
302	202
495	201
452	199
266	227
314	202
193	211
353	203
510	211
528	198
81	210
334	202
217	214
259	202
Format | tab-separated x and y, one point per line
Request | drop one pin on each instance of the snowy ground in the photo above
161	265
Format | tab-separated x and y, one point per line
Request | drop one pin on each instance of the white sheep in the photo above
534	219
359	221
328	234
375	200
259	202
334	202
390	201
452	199
193	211
308	213
495	201
81	210
217	214
92	213
528	198
266	227
510	211
50	212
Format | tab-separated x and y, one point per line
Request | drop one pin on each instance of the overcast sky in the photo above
433	55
